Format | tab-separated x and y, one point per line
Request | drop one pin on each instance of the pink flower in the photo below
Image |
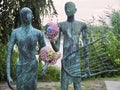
52	31
48	54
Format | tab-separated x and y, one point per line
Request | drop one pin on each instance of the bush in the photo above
112	42
115	22
3	53
52	74
2	62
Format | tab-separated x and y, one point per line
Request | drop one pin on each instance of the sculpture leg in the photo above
77	83
64	86
64	82
77	86
27	76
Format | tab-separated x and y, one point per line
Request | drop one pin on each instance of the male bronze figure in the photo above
72	30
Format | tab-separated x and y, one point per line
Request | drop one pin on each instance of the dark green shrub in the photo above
3	53
53	74
3	62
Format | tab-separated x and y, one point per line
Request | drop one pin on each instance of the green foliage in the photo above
117	61
10	14
115	21
40	65
114	38
13	64
111	42
113	48
2	62
3	53
53	74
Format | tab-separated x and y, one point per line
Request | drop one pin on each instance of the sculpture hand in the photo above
10	82
44	69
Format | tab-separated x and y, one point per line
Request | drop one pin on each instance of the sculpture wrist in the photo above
8	74
8	71
46	63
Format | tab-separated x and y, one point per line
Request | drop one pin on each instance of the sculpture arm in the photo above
41	40
56	45
85	44
8	59
44	69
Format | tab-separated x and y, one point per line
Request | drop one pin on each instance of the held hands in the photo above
10	82
44	69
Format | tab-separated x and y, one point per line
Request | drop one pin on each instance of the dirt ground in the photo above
94	85
86	85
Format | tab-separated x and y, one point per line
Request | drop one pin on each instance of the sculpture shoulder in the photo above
38	32
76	22
16	30
61	23
82	24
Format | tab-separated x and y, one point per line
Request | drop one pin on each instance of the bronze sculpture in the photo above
26	38
72	30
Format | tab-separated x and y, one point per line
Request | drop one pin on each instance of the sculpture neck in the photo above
26	28
26	25
70	18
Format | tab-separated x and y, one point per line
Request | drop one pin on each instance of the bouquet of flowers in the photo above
49	55
52	31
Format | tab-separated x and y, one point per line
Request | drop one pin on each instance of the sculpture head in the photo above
70	9
26	16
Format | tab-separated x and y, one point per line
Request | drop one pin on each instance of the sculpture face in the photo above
70	8
26	16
